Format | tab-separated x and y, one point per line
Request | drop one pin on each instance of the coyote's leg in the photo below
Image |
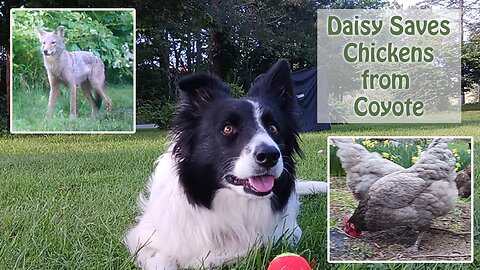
52	98
73	100
107	100
87	91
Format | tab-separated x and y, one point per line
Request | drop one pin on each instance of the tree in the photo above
469	12
471	62
469	20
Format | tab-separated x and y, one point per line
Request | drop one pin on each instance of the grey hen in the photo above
412	197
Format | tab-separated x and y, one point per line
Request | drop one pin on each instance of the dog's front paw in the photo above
157	261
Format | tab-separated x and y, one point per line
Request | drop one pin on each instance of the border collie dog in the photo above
226	184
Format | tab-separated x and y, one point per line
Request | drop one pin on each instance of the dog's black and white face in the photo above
246	145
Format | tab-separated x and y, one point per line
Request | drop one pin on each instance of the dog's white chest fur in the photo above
173	233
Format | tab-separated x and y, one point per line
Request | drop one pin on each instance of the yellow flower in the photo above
455	150
385	154
368	143
457	166
414	159
385	143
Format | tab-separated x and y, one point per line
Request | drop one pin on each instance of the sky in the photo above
407	3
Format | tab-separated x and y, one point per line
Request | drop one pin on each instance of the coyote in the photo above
72	69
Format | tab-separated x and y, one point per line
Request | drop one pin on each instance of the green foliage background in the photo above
471	61
108	34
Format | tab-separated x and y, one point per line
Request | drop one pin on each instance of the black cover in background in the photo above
305	88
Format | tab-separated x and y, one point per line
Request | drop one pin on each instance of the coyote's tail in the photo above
98	100
310	187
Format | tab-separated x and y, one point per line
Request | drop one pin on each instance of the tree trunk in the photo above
216	61
165	62
198	52
8	85
189	51
478	93
461	21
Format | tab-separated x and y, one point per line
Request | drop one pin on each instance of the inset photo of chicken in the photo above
400	199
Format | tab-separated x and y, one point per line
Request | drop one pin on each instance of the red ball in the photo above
289	261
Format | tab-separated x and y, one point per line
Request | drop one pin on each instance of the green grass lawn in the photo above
30	105
67	200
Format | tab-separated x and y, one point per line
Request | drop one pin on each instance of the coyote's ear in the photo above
276	84
40	31
59	31
199	89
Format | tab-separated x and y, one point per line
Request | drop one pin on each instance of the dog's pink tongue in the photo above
261	183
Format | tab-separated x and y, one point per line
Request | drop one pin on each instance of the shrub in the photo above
3	114
3	123
157	112
237	91
160	112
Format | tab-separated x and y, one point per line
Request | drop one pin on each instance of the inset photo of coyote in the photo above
73	71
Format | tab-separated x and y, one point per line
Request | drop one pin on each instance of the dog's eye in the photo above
43	43
273	129
53	42
228	130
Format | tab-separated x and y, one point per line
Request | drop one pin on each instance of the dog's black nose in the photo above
45	52
266	155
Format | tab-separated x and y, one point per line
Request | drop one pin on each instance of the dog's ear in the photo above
199	89
60	31
40	31
276	83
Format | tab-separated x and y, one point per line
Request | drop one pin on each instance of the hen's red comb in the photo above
349	228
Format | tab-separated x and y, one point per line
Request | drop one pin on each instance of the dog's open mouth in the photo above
260	185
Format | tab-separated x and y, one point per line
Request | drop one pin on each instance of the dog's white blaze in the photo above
172	233
245	166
